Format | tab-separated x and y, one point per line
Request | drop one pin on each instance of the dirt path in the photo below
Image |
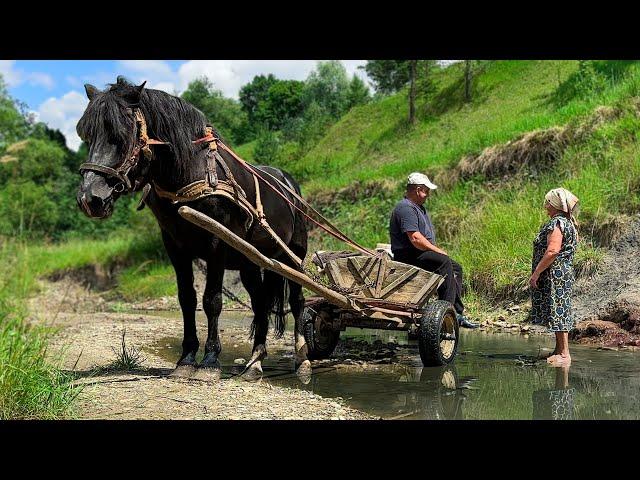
88	333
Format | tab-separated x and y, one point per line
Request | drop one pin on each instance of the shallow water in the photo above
494	376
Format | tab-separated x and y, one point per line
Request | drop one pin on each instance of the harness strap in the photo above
259	208
262	218
200	189
95	167
225	168
333	229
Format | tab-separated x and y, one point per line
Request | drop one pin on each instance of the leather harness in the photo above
210	186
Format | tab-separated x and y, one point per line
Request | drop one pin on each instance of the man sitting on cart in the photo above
413	241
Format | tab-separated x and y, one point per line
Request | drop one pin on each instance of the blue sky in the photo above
54	89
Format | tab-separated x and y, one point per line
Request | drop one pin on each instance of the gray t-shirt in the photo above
409	217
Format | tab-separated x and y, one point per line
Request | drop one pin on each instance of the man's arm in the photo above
421	243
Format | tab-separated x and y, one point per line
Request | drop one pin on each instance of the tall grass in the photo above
488	224
30	386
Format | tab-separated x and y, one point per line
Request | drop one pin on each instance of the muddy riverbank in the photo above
88	335
372	374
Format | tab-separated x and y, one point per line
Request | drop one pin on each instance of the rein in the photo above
212	186
333	230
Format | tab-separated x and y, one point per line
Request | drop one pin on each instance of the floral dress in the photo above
551	301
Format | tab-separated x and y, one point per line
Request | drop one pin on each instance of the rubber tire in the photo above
429	333
316	350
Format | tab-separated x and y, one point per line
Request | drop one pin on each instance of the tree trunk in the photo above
467	80
412	93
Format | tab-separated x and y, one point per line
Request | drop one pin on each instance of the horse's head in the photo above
114	130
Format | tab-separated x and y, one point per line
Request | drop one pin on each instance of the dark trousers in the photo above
451	288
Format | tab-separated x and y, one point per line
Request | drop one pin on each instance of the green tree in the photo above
13	126
389	76
254	93
328	87
225	114
35	160
282	102
268	147
358	92
315	122
27	208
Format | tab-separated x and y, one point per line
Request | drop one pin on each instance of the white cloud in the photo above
73	81
147	67
63	113
230	75
41	79
14	77
168	87
226	75
10	75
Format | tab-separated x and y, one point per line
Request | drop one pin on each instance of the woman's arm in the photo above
554	244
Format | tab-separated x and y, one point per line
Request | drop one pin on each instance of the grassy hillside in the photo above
546	125
487	221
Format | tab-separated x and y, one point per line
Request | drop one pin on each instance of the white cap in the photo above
417	178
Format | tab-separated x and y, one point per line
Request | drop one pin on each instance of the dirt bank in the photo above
88	332
612	295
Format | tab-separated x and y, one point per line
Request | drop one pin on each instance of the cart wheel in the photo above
438	334
321	338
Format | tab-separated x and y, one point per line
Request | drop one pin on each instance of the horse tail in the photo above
278	286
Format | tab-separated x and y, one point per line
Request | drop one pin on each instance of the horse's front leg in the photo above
252	282
209	368
187	297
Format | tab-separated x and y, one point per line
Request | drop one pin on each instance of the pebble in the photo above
239	361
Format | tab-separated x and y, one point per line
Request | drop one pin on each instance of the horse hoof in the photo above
253	374
207	374
183	371
304	372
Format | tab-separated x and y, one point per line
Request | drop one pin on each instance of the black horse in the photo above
121	160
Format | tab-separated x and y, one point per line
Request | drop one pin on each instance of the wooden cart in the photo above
360	291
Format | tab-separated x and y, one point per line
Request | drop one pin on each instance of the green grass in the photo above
487	226
128	358
30	385
245	151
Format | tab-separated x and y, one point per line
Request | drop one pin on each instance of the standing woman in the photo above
552	278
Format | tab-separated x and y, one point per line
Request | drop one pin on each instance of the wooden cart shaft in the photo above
259	259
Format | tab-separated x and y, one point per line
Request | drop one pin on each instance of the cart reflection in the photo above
398	391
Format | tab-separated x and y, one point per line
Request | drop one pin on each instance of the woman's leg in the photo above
561	356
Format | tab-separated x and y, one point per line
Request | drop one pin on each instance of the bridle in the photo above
142	146
211	186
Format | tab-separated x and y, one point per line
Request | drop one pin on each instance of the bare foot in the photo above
559	360
548	355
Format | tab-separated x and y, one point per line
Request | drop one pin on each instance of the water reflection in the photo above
394	392
494	376
556	403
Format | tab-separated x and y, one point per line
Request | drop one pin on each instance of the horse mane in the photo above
169	119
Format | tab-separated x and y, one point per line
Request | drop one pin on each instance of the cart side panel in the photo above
384	279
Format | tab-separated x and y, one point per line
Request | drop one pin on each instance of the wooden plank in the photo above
428	286
359	270
334	273
399	281
252	253
382	271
